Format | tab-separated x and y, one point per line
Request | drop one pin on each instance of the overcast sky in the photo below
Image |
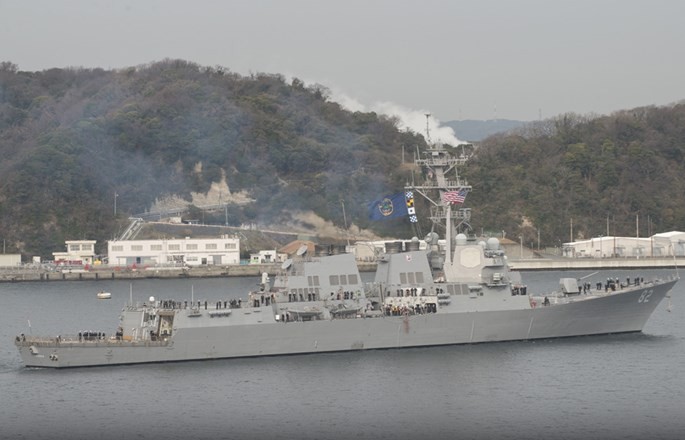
475	59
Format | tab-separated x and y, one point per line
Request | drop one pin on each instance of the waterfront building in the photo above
223	250
79	253
10	260
666	244
670	243
267	257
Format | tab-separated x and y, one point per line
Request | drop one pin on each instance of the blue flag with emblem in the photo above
389	206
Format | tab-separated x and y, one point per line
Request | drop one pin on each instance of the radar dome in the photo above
493	244
152	299
432	238
481	244
461	239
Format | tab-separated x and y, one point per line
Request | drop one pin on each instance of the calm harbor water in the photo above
618	386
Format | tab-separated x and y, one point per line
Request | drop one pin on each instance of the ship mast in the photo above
440	174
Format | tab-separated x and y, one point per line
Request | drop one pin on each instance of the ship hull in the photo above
626	311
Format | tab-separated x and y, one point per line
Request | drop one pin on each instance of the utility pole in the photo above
115	203
637	225
342	202
649	234
225	208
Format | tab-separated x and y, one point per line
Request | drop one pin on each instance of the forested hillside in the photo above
71	139
604	175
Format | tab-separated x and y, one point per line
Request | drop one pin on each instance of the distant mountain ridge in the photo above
476	130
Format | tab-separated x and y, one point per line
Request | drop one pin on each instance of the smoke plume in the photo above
414	120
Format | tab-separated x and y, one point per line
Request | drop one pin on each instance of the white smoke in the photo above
414	120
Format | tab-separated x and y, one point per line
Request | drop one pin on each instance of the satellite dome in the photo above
493	244
461	239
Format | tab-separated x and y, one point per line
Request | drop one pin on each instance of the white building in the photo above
659	245
10	260
672	243
177	251
266	257
79	252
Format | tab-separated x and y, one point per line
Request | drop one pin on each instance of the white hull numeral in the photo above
645	296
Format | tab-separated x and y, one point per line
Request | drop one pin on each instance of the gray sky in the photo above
475	59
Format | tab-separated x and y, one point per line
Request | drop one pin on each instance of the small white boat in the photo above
104	295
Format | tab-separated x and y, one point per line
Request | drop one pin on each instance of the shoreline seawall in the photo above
9	275
20	275
13	275
534	264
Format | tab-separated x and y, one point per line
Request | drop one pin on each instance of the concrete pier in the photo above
255	270
595	263
32	274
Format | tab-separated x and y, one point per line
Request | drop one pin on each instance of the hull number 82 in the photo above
645	296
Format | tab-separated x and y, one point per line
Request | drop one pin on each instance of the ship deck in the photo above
73	341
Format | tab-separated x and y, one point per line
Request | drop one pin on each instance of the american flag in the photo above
454	197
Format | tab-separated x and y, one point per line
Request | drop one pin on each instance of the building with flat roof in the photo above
659	245
267	257
79	253
10	260
224	250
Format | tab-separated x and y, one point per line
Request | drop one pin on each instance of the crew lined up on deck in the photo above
90	336
173	304
614	283
406	309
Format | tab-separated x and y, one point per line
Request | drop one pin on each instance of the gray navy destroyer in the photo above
431	292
